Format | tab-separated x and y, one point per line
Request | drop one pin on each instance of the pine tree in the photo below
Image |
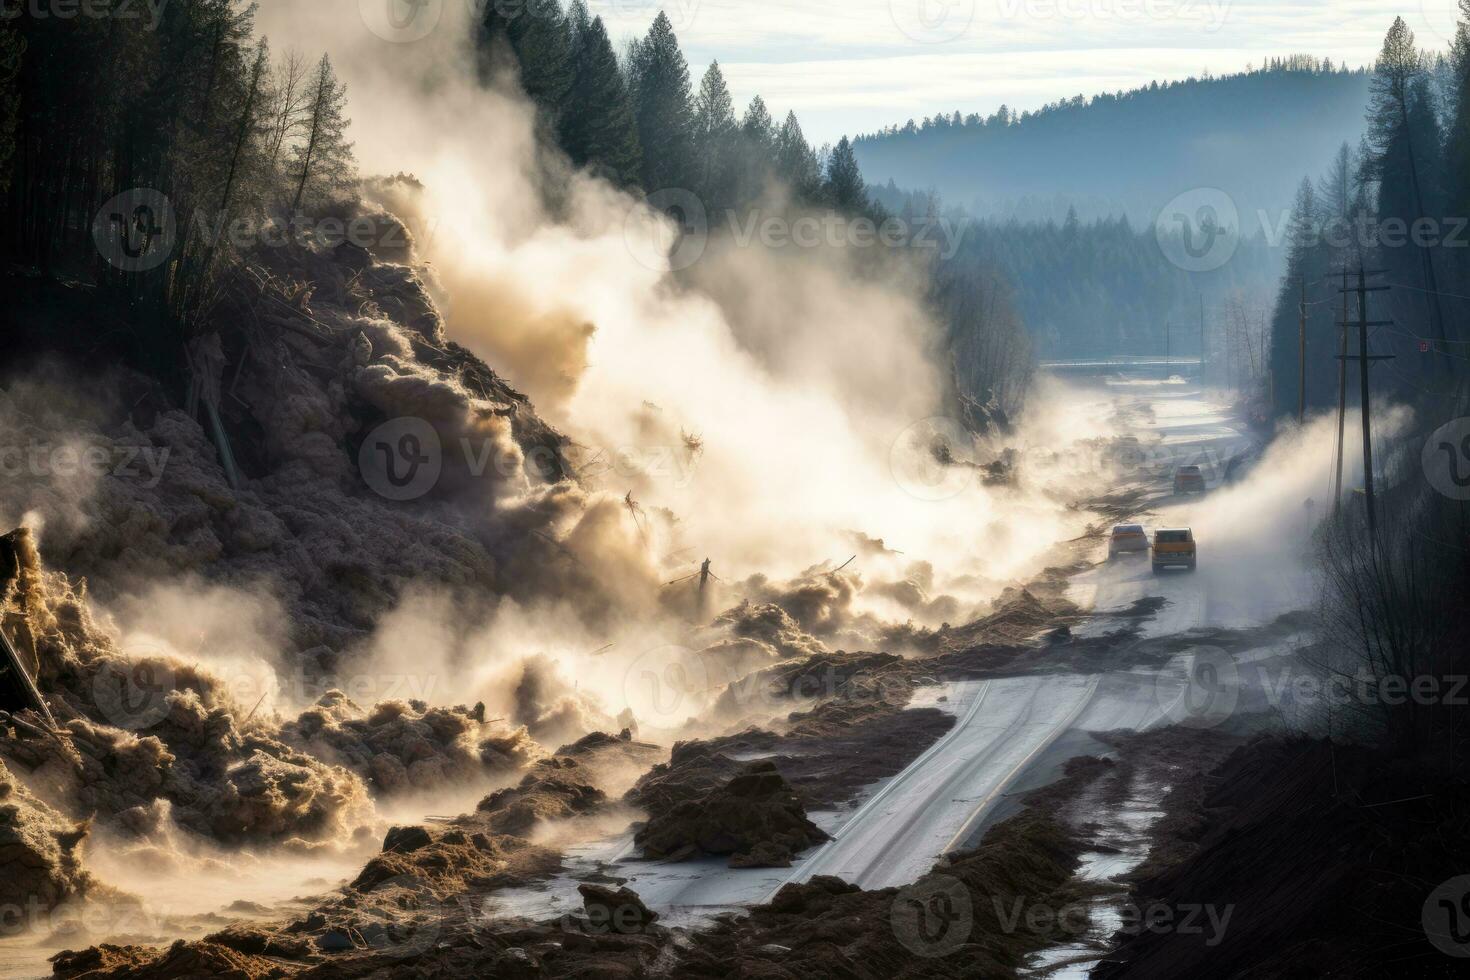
323	160
598	129
663	108
758	128
755	153
1302	260
714	138
1340	197
796	164
12	48
533	36
845	189
1457	142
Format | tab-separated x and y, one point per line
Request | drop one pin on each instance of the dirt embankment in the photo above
1326	854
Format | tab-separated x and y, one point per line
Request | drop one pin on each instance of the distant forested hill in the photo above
1251	135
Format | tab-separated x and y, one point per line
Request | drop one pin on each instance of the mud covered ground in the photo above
1327	854
417	909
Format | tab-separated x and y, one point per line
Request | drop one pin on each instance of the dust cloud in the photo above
760	409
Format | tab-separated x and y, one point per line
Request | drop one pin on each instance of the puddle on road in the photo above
1123	827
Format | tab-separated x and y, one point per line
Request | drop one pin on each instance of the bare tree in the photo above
323	160
290	103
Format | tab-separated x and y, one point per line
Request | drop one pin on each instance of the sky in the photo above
853	66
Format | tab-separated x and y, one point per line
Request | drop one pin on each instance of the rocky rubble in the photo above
571	783
402	746
39	859
136	730
755	818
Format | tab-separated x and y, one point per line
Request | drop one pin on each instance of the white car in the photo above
1127	538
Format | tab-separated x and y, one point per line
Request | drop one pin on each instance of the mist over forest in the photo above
1251	132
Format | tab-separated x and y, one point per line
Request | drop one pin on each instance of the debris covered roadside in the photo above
417	909
986	911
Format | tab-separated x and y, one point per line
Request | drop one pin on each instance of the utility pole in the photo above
1363	359
1341	396
1201	338
1301	355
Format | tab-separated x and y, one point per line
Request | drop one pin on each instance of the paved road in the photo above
1010	730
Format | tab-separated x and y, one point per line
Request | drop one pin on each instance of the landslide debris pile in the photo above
402	746
38	850
573	782
308	353
219	780
415	909
755	818
409	920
